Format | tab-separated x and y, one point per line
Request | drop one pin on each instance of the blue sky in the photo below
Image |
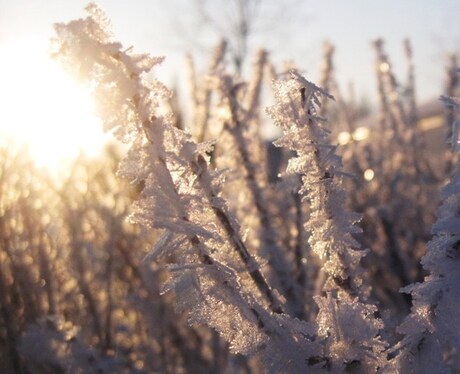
166	28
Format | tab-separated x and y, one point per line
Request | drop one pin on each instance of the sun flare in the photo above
43	108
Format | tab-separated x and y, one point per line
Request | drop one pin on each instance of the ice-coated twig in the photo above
344	310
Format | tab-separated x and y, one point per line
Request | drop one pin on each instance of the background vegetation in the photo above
79	291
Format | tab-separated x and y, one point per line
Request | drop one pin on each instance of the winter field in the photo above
195	244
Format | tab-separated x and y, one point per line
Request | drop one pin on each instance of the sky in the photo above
289	29
166	27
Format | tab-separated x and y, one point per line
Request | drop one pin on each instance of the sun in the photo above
43	108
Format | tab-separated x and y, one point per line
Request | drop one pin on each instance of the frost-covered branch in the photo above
345	321
432	339
169	164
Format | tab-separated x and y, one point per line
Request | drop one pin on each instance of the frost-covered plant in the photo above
251	288
214	277
432	339
347	324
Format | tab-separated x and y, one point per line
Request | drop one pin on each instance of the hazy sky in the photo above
295	31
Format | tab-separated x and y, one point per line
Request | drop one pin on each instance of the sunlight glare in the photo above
43	107
361	133
368	174
344	137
